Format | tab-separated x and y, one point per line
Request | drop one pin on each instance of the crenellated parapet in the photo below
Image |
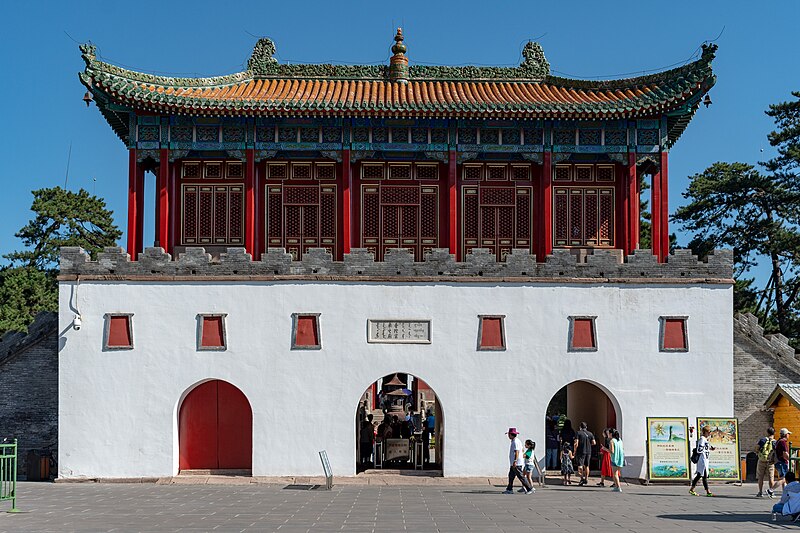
602	265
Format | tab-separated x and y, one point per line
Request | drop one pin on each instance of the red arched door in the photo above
215	428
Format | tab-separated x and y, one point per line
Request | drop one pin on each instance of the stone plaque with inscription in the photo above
393	331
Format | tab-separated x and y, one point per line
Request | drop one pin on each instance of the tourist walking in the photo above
781	458
605	458
529	460
702	471
617	458
567	434
517	462
584	440
367	438
765	450
566	463
551	444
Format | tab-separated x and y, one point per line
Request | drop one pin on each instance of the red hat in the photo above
512	431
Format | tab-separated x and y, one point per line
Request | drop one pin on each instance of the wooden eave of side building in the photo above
790	391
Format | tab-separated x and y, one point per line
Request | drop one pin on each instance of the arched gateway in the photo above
215	428
399	426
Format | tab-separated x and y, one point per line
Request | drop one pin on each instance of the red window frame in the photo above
305	325
581	327
492	338
203	335
112	321
667	334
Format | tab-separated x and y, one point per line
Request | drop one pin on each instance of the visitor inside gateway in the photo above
399	426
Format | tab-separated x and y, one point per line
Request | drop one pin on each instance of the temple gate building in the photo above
467	235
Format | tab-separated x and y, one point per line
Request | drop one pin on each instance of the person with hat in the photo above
516	461
781	458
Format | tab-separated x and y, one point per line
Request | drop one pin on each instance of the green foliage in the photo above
64	218
24	292
61	218
758	215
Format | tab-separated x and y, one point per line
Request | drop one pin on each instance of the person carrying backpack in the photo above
765	449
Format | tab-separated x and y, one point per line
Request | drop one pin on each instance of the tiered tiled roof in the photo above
267	88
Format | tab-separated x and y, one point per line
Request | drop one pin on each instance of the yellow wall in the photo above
787	416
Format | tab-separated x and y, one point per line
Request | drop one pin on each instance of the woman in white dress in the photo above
703	448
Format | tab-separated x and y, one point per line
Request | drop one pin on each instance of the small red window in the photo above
673	334
118	331
212	332
582	334
306	331
491	334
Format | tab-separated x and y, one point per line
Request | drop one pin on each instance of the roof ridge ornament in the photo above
398	64
88	53
535	64
261	62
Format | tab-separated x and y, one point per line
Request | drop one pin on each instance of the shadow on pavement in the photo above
761	518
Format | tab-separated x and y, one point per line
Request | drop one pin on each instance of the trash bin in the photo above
37	466
751	464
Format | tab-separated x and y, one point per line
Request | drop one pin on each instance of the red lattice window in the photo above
372	171
211	334
491	332
497	218
400	172
582	334
325	171
305	328
496	172
301	171
563	173
191	170
520	172
473	172
234	170
427	172
673	336
212	170
605	173
584	173
277	171
583	216
118	331
301	217
212	214
395	216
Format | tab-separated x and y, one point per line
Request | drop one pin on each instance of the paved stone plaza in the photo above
356	508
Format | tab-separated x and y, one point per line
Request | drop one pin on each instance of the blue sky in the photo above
43	113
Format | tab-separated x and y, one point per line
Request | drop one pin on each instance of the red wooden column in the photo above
139	209
133	172
655	214
545	246
162	229
633	204
452	187
347	204
249	202
173	207
664	192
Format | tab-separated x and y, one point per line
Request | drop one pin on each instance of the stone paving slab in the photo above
376	508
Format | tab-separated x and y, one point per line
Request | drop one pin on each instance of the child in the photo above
566	463
528	456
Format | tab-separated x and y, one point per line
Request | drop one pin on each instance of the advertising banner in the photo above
667	448
723	460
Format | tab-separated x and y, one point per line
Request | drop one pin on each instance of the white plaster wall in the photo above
118	409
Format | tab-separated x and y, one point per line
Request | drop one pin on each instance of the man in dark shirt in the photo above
584	441
781	458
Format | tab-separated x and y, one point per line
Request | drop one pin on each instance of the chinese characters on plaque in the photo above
399	331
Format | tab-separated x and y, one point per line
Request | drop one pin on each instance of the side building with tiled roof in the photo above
457	243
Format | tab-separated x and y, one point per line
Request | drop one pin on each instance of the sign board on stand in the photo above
723	460
667	449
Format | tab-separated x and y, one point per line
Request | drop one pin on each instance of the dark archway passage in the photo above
215	428
406	421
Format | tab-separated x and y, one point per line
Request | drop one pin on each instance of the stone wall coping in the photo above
775	344
399	265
